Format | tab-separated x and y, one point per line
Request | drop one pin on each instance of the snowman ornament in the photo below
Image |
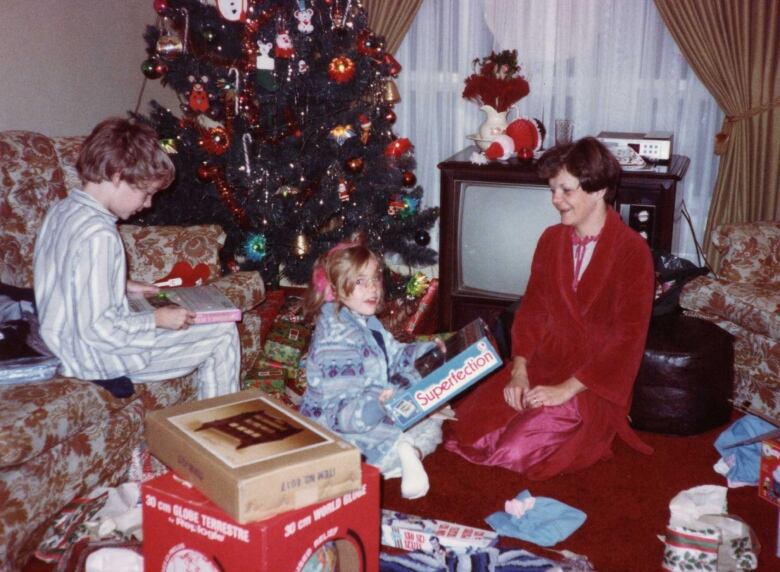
233	10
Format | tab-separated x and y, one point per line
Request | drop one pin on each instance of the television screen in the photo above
500	225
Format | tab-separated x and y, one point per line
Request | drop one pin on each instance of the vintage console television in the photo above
492	216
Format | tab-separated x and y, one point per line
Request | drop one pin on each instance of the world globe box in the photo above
184	531
251	455
469	356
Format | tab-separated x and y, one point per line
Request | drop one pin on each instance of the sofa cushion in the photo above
37	416
67	149
753	306
750	252
31	179
153	250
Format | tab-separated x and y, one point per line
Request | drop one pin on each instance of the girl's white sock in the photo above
414	479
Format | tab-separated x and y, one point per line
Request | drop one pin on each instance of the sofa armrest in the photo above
750	252
753	307
153	250
245	289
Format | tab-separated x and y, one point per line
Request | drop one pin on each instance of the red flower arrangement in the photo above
498	82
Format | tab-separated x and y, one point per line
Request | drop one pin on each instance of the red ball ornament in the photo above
341	69
160	6
398	147
354	164
409	179
525	154
390	116
215	141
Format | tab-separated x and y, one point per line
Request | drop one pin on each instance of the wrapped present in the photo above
295	386
266	363
269	381
287	341
269	310
292	310
426	309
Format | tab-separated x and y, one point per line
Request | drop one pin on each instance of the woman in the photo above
578	335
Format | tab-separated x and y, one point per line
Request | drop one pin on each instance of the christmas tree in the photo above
284	135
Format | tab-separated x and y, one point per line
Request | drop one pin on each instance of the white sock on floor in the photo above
414	479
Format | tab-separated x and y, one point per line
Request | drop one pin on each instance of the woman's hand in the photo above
173	318
550	395
518	385
134	287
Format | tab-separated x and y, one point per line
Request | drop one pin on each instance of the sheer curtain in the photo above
608	65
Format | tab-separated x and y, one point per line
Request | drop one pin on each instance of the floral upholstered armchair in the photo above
745	301
63	437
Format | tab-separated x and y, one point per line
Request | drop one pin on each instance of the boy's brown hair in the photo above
127	149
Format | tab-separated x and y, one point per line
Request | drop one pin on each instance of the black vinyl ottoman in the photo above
686	378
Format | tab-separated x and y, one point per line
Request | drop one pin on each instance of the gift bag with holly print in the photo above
701	535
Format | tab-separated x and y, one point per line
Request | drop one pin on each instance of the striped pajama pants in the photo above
212	350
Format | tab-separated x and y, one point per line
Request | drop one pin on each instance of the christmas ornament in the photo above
153	68
344	190
368	44
264	64
417	285
341	133
160	6
389	116
284	45
229	200
301	246
365	128
409	208
341	69
168	145
393	67
422	238
233	10
395	205
398	147
255	247
303	67
354	164
169	46
215	141
390	92
199	97
408	179
287	191
304	20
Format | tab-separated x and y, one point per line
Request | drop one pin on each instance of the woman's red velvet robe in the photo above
596	334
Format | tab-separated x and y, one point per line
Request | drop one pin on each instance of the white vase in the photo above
494	125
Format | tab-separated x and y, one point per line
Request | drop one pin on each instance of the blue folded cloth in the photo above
743	460
546	523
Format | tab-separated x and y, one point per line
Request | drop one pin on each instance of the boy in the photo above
81	286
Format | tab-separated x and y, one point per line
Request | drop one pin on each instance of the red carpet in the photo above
626	499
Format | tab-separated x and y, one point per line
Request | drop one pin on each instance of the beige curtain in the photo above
734	48
391	19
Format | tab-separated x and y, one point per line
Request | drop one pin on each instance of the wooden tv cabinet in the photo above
651	192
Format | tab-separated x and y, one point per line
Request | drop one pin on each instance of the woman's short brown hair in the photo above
587	159
127	149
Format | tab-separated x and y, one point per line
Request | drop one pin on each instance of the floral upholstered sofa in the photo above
745	301
61	438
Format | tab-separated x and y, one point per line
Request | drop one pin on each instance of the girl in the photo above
352	360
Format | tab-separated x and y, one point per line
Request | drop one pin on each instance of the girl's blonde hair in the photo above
334	275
